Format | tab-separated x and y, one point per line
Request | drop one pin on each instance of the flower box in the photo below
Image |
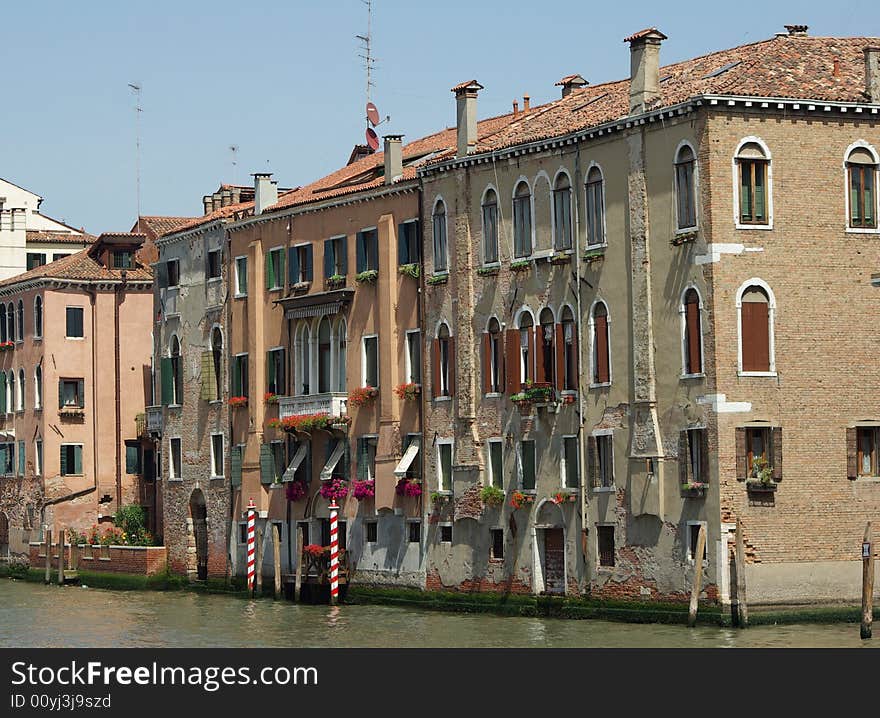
296	491
334	282
363	396
756	486
271	398
410	270
70	411
301	287
304	423
560	258
518	500
367	277
488	271
492	496
408	487
693	490
438	498
363	490
683	238
7	346
334	489
436	279
409	391
522	265
594	255
237	401
561	497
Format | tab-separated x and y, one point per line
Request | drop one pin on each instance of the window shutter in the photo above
684	464
361	458
80	393
329	259
166	378
593	461
343	256
435	368
3	397
361	253
402	250
309	270
293	268
487	363
776	452
601	329
451	366
511	364
21	458
559	347
236	376
755	336
235	460
852	454
692	321
77	460
267	464
209	383
742	463
270	271
538	341
704	455
162	275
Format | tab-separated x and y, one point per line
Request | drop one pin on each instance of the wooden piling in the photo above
61	533
867	584
698	575
742	611
276	549
297	588
261	544
48	578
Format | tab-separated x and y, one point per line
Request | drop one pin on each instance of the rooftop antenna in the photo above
372	114
137	127
233	149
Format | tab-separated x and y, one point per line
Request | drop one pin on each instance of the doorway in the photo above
199	514
554	561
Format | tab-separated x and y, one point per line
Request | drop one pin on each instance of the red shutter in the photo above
540	373
560	357
576	376
451	370
755	336
530	368
435	368
694	354
487	363
601	329
511	366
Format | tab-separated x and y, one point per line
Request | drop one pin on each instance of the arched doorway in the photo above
4	535
550	539
199	516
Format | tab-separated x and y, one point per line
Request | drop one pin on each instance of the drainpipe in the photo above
577	278
420	313
118	293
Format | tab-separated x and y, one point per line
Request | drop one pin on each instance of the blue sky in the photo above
283	81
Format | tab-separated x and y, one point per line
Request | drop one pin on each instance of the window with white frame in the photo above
603	460
570	462
7	458
444	362
303	360
74	326
217	455
414	356
526	348
241	277
601	353
490	227
527	465
685	188
562	213
22	458
493	358
38	317
19	400
495	463
371	361
441	247
756	307
38	457
20	320
10	322
570	380
692	349
325	355
753	184
522	221
174	459
71	459
861	171
595	194
366	457
444	464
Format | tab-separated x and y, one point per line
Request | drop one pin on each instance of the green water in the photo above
33	615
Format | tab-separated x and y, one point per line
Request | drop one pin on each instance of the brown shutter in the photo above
601	328
540	374
684	465
530	368
512	361
452	366
576	379
776	452
559	347
741	458
704	456
435	368
755	336
487	363
852	454
592	461
692	319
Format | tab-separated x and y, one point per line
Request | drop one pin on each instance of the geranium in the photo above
238	401
408	487
559	498
409	390
309	422
112	536
334	489
271	397
314	550
364	489
518	499
295	491
363	395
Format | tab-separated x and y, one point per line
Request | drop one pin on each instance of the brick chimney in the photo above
208	203
393	157
527	103
872	73
265	192
466	115
644	79
570	83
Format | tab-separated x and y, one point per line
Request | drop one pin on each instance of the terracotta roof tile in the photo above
164	225
39	235
645	33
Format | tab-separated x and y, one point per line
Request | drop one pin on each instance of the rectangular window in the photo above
240	375
216	455
867	450
605	457
497	536
414	357
241	277
214	262
275	268
562	218
522	226
367	250
275	379
595	209
34	260
441	250
371	531
71	460
684	189
693	531
71	394
490	232
173	267
123	259
300	264
527	465
60	255
174	467
133	458
605	536
408	244
415	531
495	463
38	457
757	442
862	197
7	459
335	257
444	466
74	322
695	439
753	191
366	458
446	533
371	361
571	472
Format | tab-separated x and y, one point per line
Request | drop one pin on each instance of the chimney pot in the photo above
526	103
836	69
466	115
644	81
569	83
265	192
393	157
872	73
515	108
216	201
225	198
208	204
796	29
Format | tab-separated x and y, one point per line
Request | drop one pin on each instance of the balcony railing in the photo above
332	403
154	420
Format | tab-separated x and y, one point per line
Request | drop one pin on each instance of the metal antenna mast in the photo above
234	150
137	126
367	47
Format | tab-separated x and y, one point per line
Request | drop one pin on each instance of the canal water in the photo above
34	615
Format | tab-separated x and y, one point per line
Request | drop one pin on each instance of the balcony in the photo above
332	403
154	420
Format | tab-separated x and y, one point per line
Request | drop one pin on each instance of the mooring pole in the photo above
867	584
334	554
61	533
276	550
297	587
251	544
261	553
48	533
698	575
742	611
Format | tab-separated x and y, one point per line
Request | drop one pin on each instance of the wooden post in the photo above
261	546
48	556
698	575
74	555
276	547
742	612
867	584
300	537
61	533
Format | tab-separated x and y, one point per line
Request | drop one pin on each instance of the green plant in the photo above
492	496
132	520
366	276
410	270
487	271
336	279
762	471
520	265
438	279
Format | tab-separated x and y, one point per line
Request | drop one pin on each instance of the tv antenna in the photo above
136	89
233	149
372	113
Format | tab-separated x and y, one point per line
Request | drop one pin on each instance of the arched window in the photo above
757	308
38	317
861	168
443	363
693	333
303	349
685	188
526	348
490	227
10	321
492	358
569	372
217	359
546	341
38	387
20	320
753	172
176	373
601	352
522	221
441	248
4	337
19	404
562	213
324	353
595	189
340	341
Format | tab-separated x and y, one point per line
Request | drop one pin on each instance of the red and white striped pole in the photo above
334	553
251	544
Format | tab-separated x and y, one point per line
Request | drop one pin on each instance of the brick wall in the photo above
138	560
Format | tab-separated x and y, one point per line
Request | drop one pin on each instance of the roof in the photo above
163	225
226	212
467	85
39	235
789	66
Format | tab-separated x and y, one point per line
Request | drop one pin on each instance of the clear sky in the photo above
283	81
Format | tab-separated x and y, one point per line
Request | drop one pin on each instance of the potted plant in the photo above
295	490
408	487
335	280
408	390
492	496
435	279
237	401
367	276
521	265
271	398
363	396
410	270
489	270
761	479
314	550
594	254
365	489
518	499
694	489
335	489
521	401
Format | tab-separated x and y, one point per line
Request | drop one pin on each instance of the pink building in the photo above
75	376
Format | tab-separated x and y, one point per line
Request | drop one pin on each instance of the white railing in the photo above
332	403
154	420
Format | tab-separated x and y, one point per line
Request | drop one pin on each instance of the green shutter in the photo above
267	464
21	458
236	376
271	383
165	369
270	271
132	462
361	251
77	460
4	448
745	191
363	458
869	196
279	270
760	179
329	259
235	459
209	381
293	275
81	394
2	397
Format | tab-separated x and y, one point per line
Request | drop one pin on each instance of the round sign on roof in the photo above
372	114
372	139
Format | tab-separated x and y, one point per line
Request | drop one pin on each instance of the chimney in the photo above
515	108
644	80
466	115
225	197
208	204
796	29
236	194
265	191
393	157
216	201
872	73
570	83
526	102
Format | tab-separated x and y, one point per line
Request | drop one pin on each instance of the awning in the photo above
318	304
338	451
316	311
408	456
294	464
